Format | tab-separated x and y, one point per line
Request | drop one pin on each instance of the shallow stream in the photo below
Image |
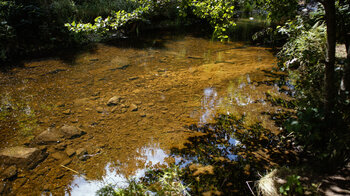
163	86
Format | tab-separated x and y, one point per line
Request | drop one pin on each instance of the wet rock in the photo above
99	109
81	153
138	102
67	112
10	172
93	59
115	109
59	155
71	132
133	78
143	114
61	146
133	107
124	106
114	101
21	156
123	110
70	151
48	137
66	162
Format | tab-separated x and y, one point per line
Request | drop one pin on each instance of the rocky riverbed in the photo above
64	117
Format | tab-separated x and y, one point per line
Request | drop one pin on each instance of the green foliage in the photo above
219	14
279	11
304	56
292	187
163	182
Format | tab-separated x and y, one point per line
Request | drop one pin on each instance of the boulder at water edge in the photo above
22	156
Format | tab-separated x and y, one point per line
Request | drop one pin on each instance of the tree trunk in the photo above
330	87
346	77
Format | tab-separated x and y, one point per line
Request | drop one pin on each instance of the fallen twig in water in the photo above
86	178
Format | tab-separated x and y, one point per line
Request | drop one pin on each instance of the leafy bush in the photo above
304	56
219	14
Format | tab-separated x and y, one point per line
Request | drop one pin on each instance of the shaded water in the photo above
165	85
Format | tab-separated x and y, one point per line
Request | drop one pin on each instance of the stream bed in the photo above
140	105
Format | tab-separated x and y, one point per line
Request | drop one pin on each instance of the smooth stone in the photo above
99	109
66	162
123	110
71	132
124	106
70	151
81	151
133	107
21	156
61	146
67	112
59	155
47	137
133	78
114	101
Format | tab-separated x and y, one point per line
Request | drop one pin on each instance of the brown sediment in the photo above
155	91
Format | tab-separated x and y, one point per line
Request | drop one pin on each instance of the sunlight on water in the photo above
150	155
209	104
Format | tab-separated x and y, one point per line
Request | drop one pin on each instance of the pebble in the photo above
133	78
67	112
133	107
70	151
114	101
66	162
99	109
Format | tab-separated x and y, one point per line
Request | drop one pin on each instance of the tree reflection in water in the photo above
228	154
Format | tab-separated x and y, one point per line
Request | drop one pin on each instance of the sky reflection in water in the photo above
150	155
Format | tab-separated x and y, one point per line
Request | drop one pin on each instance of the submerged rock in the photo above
10	172
48	137
59	155
52	136
99	109
82	154
70	151
70	132
21	156
67	112
114	101
66	162
133	107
